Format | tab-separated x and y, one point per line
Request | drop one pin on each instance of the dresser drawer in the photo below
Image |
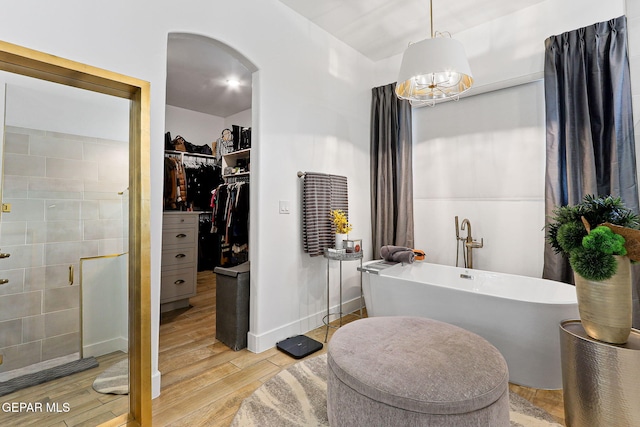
180	218
177	284
179	257
179	236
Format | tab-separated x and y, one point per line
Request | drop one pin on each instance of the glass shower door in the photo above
62	169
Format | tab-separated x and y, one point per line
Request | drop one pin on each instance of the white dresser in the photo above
179	259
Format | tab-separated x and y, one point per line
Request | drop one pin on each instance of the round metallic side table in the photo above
355	256
601	381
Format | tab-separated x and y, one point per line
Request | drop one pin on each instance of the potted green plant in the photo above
596	235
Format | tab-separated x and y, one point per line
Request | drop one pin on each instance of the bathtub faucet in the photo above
469	243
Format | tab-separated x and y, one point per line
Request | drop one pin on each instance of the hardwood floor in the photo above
86	407
203	381
549	400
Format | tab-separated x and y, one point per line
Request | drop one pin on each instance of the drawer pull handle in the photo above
180	256
181	236
4	255
4	281
178	282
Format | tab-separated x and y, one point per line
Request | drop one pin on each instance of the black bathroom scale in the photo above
299	346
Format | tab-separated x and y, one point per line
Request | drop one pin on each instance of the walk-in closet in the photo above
206	197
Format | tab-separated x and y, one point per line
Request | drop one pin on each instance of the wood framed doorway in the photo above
31	63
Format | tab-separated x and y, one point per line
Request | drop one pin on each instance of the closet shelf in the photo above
236	174
238	154
186	153
234	159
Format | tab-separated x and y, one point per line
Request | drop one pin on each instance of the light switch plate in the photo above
283	207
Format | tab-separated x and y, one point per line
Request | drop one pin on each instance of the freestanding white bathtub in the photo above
519	315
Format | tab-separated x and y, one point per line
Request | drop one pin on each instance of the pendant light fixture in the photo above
433	69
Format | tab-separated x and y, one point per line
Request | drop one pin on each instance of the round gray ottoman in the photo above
412	371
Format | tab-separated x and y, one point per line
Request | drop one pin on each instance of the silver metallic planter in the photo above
601	381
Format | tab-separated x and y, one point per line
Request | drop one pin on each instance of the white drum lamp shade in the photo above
433	69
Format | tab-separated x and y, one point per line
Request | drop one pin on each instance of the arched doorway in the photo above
202	100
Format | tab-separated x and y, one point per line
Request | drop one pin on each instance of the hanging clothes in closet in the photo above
208	246
189	181
201	179
203	176
230	204
175	184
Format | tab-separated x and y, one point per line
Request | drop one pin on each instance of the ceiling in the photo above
198	68
383	28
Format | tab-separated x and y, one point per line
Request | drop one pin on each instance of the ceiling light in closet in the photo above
433	69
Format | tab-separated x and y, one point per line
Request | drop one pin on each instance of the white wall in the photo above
512	48
200	128
294	129
243	119
482	158
197	128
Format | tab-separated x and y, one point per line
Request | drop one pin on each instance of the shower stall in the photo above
64	215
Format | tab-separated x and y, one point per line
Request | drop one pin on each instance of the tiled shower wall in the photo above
63	190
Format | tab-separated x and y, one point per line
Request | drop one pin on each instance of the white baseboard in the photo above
267	340
106	347
155	384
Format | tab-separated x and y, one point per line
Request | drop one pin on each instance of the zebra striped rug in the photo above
297	396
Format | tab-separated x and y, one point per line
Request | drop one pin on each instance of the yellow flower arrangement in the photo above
340	221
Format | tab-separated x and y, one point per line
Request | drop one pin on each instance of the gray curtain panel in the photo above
391	170
589	118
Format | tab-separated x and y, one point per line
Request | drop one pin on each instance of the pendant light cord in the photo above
431	16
